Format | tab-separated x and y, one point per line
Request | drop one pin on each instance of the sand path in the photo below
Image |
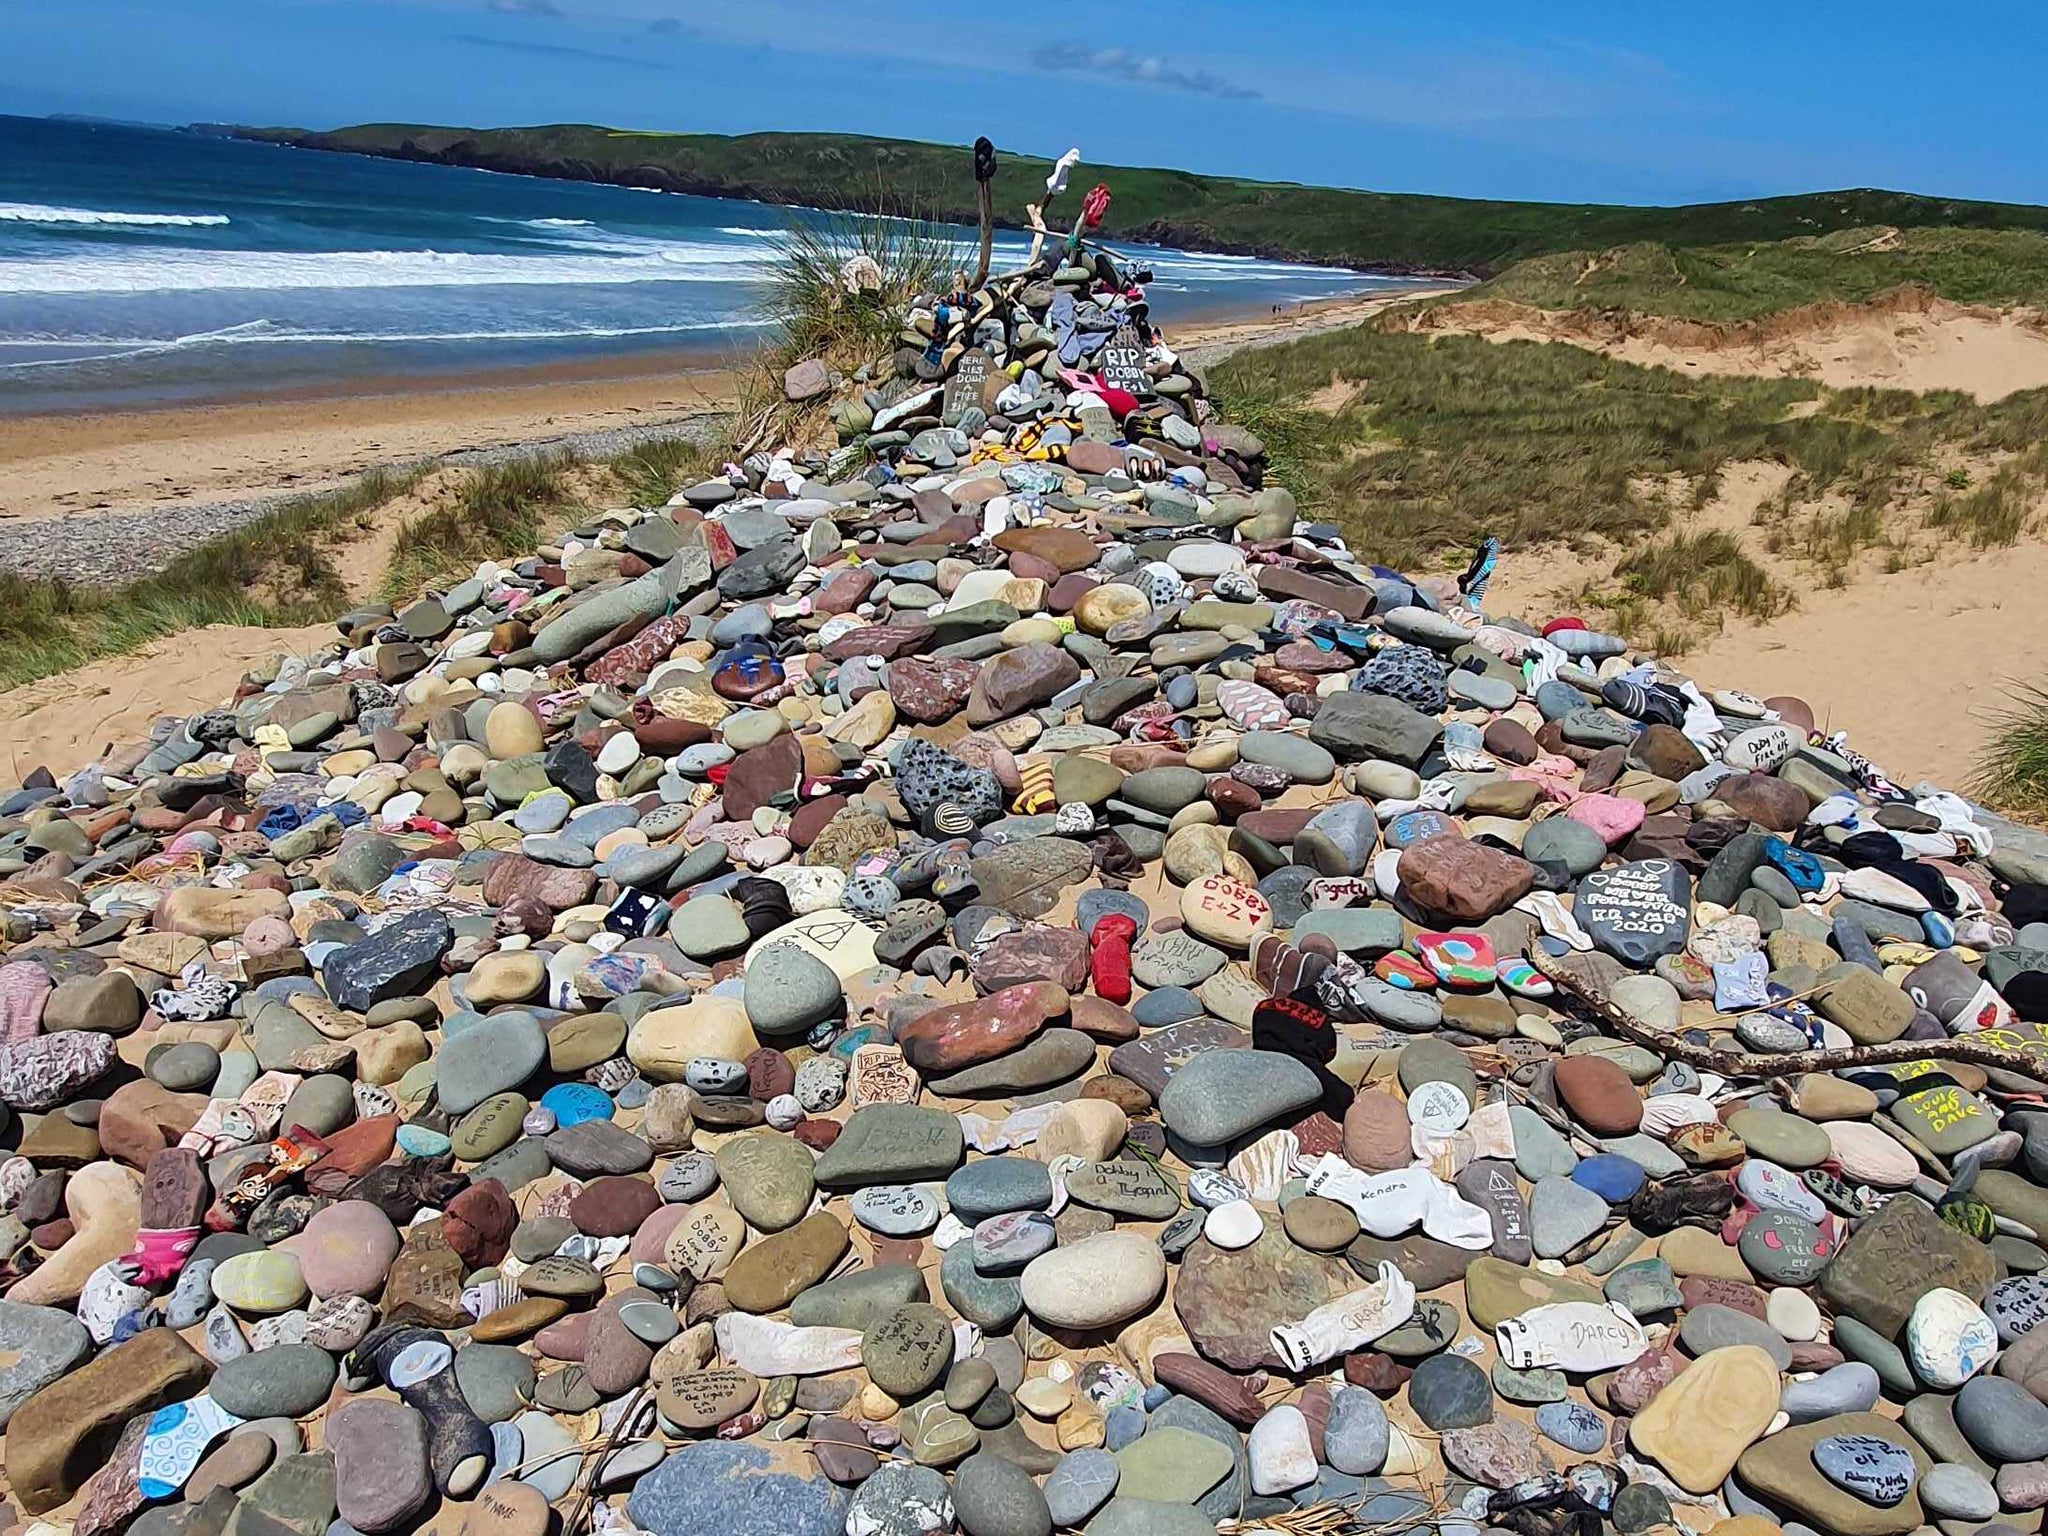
69	720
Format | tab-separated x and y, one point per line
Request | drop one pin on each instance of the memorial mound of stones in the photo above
998	979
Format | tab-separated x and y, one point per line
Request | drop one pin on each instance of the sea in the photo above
146	267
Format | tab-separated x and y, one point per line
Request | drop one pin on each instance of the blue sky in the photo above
1640	102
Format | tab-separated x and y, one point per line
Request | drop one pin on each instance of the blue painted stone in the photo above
1609	1175
574	1103
418	1141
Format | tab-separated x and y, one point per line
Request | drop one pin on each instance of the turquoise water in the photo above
142	266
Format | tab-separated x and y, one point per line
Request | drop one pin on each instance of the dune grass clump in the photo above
653	470
494	512
837	287
2012	772
277	570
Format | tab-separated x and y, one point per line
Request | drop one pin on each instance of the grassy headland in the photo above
1726	283
1390	231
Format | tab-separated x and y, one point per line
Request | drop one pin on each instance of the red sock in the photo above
1110	956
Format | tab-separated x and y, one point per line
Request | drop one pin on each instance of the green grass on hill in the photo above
1445	439
1727	282
1222	213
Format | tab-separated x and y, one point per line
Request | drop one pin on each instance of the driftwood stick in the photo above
1729	1063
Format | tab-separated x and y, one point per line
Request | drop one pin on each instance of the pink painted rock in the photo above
1636	1383
49	1070
651	1240
1611	816
515	877
614	1358
24	988
1034	952
346	1250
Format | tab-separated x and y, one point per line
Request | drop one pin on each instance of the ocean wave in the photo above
181	271
266	332
42	213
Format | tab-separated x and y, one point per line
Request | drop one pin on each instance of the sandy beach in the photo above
147	460
72	464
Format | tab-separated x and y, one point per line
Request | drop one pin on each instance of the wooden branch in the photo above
1734	1063
986	208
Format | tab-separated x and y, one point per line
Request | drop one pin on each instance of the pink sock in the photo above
158	1255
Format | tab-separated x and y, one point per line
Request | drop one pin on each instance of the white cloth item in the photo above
1571	1336
1541	662
1348	1323
1436	795
1957	818
1062	168
769	1348
1386	872
1702	725
1489	1133
1391	1205
1555	918
1874	885
1838	810
1468	759
1668	1113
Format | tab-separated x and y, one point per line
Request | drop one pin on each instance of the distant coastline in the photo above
483	153
1385	233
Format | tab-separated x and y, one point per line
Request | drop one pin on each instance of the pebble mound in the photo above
997	978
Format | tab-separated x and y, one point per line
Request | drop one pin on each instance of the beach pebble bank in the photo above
992	975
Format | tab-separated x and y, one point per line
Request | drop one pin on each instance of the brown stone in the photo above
957	1035
57	1438
760	774
770	1272
930	689
1765	799
1223	1391
613	1206
1460	881
1377	1135
139	1119
426	1279
1020	679
1101	1019
1599	1095
1068	548
507	1509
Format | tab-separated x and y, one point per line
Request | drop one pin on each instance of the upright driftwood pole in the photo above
984	201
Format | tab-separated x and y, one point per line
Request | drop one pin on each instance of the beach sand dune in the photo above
1909	341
